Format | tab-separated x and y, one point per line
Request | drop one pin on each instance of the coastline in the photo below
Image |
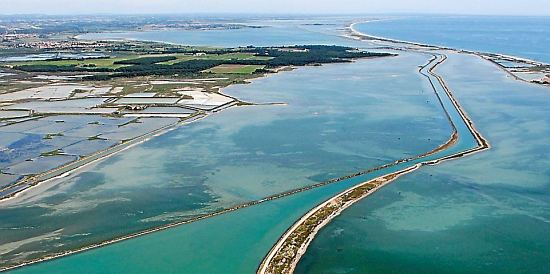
452	139
351	28
214	213
352	33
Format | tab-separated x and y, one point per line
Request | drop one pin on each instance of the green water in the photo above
230	243
487	213
340	119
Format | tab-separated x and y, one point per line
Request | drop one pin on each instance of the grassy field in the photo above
236	69
100	63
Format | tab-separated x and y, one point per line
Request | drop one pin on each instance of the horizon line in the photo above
272	14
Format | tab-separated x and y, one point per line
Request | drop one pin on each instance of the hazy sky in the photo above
514	7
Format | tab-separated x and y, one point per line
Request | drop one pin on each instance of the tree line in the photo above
279	56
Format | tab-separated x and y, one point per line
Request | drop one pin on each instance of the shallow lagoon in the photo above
358	116
246	236
482	214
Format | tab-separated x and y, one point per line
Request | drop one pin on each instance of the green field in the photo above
225	61
99	63
235	69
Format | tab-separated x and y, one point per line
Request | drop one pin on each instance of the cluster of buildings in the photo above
14	37
32	41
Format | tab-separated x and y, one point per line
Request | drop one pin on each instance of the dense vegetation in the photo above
55	68
305	55
183	68
146	60
278	56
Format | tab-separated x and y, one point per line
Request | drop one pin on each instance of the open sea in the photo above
526	37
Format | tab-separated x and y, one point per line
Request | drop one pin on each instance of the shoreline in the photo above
452	139
291	246
351	28
352	33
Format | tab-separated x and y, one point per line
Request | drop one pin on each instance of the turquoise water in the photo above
340	119
487	213
468	215
526	37
235	242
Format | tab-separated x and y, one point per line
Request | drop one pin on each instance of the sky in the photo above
490	7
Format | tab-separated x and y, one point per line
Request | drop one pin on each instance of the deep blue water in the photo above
527	37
